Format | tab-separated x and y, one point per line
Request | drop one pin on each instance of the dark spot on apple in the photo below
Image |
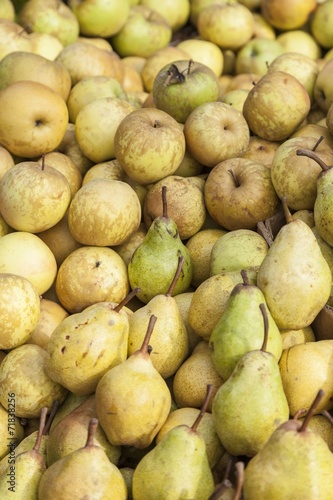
98	263
38	123
261	148
67	337
63	350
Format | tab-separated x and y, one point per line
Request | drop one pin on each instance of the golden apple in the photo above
157	60
13	37
70	148
300	41
176	12
102	18
286	14
51	314
45	45
203	51
65	165
6	161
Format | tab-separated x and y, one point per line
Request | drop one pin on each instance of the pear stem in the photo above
126	300
234	177
289	218
327	415
245	277
265	318
220	490
321	138
145	344
300	413
53	412
164	202
91	432
203	409
176	276
312	410
43	414
313	156
240	479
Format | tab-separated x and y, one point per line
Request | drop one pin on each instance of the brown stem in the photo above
289	218
312	410
220	490
164	202
321	138
157	124
327	415
126	300
42	421
265	318
203	409
190	64
240	479
300	413
43	162
91	432
145	344
233	175
53	412
245	277
313	156
176	276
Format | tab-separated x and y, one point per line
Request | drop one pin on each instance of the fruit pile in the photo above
166	249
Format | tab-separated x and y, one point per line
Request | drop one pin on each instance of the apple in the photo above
149	145
329	119
96	125
301	66
182	86
65	166
6	161
321	24
39	207
136	62
261	151
102	18
176	12
104	212
214	132
70	147
144	32
256	55
45	45
50	16
198	5
287	14
267	108
7	10
33	118
19	65
262	29
156	61
91	88
83	60
205	52
229	26
323	90
239	193
132	81
251	4
89	275
314	130
13	37
300	41
51	315
243	81
235	98
25	254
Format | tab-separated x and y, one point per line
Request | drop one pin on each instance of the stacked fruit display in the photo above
166	249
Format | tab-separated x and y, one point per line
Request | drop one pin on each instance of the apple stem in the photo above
126	300
239	466
312	410
245	277
233	175
321	138
203	408
43	414
313	156
265	318
190	64
176	276
145	344
91	432
157	123
43	162
289	218
164	202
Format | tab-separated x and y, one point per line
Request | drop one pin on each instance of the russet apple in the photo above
261	150
65	165
33	118
235	98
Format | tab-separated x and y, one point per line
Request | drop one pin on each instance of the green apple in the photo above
235	98
287	14
144	32
182	86
149	145
176	12
33	118
7	10
214	132
267	108
321	24
205	52
229	26
102	18
198	5
256	55
323	90
50	16
300	41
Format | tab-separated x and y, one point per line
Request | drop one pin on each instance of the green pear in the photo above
71	402
251	404
294	463
87	344
132	399
169	344
21	478
71	433
306	368
156	259
240	329
85	473
177	467
294	276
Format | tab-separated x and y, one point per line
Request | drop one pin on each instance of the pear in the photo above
183	301
177	467
294	463
9	426
71	432
240	329
156	259
85	473
306	368
294	276
293	337
169	344
87	344
132	399
22	476
71	402
251	404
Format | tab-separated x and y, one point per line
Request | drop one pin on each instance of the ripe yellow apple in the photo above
176	12
70	147
65	165
321	25
33	118
7	10
157	60
99	42
132	81
300	41
105	170
13	37
51	314
89	275
6	161
205	52
45	45
27	255
286	14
